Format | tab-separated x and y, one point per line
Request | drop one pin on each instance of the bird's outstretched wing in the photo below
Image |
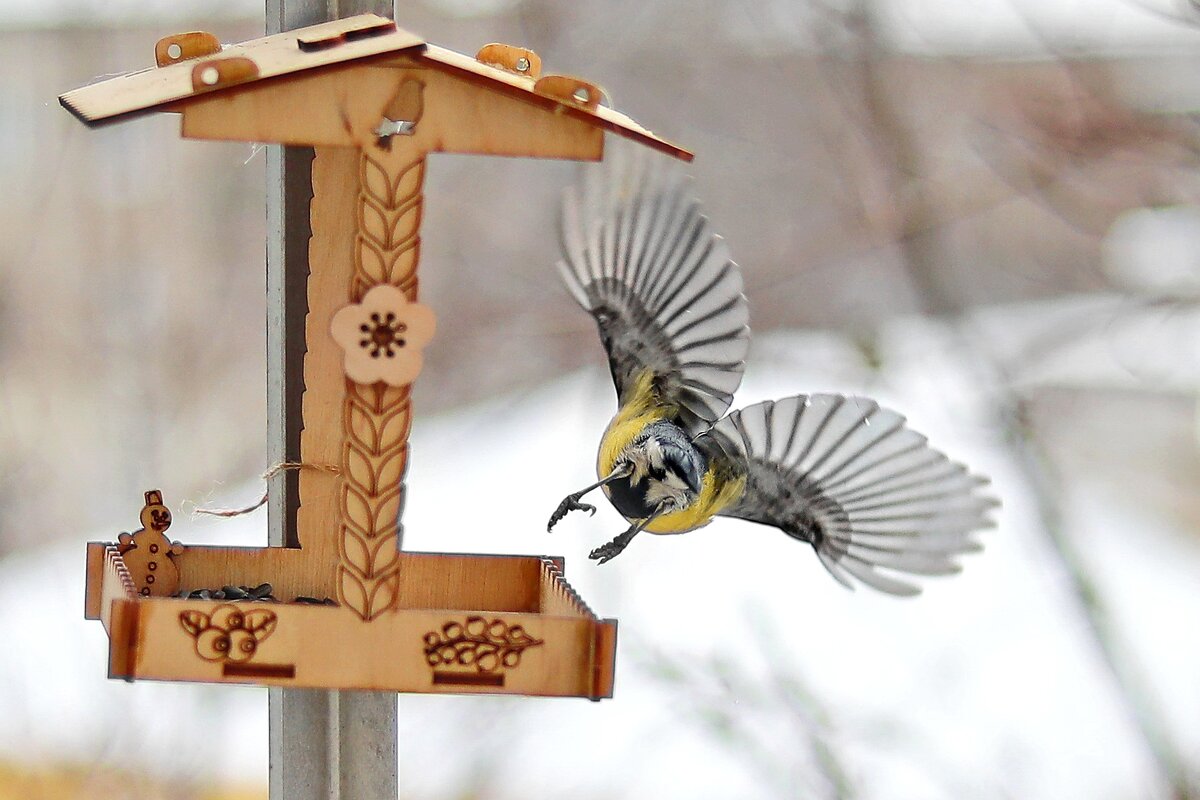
848	477
639	255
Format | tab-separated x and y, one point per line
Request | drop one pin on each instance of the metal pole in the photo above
324	745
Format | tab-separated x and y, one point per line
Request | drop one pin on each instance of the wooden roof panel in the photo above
280	54
602	116
332	43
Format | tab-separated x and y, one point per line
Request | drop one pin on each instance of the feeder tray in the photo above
461	623
373	101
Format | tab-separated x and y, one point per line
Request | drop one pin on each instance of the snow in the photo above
985	686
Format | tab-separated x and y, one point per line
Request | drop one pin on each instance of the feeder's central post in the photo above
339	745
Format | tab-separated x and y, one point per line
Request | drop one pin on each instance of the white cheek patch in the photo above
643	457
676	482
672	489
653	453
657	492
648	457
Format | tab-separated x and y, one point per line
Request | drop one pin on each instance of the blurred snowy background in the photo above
984	214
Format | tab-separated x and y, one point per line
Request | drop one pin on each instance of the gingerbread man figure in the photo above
149	554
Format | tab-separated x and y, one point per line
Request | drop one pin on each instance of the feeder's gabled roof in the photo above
328	44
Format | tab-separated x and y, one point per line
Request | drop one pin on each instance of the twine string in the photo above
273	471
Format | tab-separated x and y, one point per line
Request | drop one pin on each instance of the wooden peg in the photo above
219	73
183	46
571	91
518	60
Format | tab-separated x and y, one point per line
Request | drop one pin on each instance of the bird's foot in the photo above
570	503
607	552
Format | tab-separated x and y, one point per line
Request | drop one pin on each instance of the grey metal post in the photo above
324	745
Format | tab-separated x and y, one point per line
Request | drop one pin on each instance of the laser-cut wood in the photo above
192	640
277	55
373	101
517	60
383	336
148	554
184	47
264	115
576	92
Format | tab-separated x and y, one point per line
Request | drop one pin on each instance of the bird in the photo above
841	473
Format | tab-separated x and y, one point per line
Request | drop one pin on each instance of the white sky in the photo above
1021	25
958	26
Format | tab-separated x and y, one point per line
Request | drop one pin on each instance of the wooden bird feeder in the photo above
372	100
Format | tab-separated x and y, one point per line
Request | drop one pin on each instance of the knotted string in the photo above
275	469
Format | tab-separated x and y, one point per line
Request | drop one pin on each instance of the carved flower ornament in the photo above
383	336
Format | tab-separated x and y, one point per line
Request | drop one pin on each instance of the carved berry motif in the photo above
228	633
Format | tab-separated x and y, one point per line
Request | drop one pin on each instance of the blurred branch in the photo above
734	707
912	219
1035	466
1051	343
897	144
1187	13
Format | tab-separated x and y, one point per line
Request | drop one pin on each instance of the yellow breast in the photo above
716	493
640	410
717	490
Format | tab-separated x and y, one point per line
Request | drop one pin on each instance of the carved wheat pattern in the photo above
376	418
389	221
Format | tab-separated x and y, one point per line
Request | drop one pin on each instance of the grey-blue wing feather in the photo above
642	258
850	478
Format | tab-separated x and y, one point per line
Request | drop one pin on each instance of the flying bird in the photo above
843	474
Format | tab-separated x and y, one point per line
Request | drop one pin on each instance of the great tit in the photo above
840	473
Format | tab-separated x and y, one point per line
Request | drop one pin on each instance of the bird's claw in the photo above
607	552
570	503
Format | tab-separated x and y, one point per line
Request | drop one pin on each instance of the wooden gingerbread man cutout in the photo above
149	554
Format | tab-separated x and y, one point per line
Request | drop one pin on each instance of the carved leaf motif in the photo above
394	426
405	228
387	511
385	554
356	553
391	472
260	622
358	468
375	225
372	262
383	596
357	510
361	421
409	183
374	179
193	621
351	593
405	266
